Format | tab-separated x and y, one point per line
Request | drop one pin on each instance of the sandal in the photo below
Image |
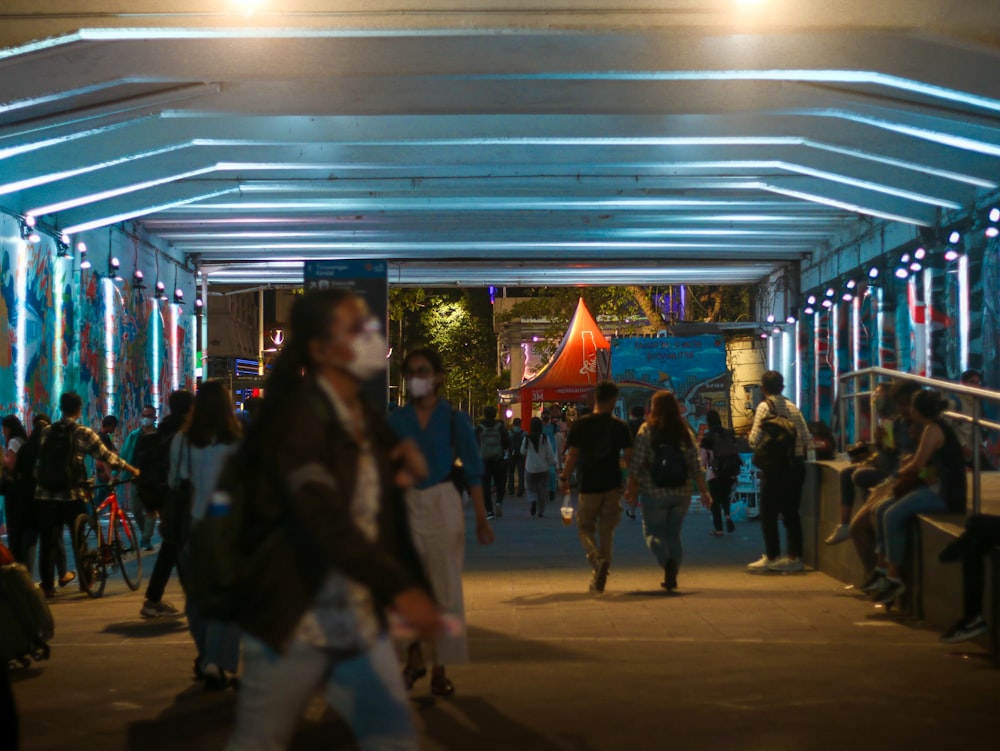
411	675
442	687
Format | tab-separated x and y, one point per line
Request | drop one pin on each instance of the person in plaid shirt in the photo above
58	507
780	493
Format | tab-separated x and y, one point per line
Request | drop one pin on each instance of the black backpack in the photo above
726	460
777	446
669	468
516	439
57	470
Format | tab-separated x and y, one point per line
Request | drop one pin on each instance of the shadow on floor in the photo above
493	646
200	720
470	722
147	629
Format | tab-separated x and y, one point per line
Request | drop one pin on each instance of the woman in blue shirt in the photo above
435	506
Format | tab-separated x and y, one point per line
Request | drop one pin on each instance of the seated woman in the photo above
892	439
943	489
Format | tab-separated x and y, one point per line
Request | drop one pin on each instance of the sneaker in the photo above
761	566
490	516
893	589
965	629
786	565
146	545
157	609
875	582
600	577
840	534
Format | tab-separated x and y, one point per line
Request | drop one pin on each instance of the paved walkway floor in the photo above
733	662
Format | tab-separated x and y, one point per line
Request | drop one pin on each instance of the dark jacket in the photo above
303	529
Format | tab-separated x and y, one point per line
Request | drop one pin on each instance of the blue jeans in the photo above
218	643
662	518
366	691
891	519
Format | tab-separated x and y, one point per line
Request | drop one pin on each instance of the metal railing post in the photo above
976	440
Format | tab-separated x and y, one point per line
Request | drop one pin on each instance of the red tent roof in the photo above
580	361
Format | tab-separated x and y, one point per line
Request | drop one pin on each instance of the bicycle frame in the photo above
108	547
112	531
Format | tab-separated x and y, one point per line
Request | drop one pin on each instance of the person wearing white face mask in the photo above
341	557
435	506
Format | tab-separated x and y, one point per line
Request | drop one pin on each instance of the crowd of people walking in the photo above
348	526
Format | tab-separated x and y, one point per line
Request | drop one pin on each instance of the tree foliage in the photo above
459	325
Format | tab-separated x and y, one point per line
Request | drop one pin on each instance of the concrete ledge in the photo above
941	586
821	515
936	596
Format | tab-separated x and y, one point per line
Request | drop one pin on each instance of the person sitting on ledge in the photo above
862	528
890	436
916	492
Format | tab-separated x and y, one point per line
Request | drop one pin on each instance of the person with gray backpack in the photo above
494	445
779	439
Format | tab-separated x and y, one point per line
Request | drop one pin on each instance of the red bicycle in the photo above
107	540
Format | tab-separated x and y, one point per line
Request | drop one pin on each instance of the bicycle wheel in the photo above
128	555
90	561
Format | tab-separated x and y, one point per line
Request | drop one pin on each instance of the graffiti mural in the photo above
63	328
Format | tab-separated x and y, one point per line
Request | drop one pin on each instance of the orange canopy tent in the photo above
582	359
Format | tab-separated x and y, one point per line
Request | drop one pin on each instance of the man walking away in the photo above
494	443
62	486
595	445
781	457
172	526
515	465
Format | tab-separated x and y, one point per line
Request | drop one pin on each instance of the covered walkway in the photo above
734	662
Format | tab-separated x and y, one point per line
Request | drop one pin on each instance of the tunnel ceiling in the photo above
599	144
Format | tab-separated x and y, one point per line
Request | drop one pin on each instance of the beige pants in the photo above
438	529
596	519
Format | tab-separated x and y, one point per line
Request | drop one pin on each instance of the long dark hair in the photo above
212	419
536	431
665	420
311	317
929	404
15	427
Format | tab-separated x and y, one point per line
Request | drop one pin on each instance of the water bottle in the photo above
219	504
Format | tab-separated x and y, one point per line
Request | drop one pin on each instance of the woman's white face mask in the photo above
420	386
369	349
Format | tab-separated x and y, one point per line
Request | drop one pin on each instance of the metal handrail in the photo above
978	395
